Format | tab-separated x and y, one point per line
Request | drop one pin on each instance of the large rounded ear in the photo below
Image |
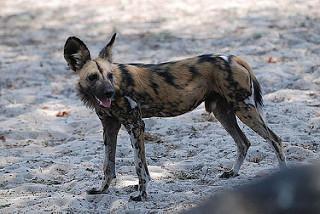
106	52
76	53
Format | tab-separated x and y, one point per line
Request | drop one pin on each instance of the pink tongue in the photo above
106	102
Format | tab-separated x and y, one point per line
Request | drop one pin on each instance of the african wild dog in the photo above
126	93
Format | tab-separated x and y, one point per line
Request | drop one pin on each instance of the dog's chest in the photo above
121	109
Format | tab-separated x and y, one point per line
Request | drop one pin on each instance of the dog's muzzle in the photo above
106	100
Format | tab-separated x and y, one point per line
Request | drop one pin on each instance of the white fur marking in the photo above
132	103
77	57
225	58
250	100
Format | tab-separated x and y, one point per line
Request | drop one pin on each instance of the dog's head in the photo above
96	81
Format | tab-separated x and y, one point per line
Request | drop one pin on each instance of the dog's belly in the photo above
167	109
170	103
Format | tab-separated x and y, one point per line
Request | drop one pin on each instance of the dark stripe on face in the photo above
99	67
127	80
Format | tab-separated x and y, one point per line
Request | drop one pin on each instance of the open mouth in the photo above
104	102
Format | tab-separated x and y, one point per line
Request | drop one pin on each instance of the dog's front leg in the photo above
135	128
111	127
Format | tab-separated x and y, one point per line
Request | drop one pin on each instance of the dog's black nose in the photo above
109	93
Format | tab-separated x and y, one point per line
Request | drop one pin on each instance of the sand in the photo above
47	162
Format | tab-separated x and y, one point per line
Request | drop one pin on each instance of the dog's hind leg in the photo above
111	127
223	111
250	116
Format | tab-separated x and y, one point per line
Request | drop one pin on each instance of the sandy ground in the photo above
47	162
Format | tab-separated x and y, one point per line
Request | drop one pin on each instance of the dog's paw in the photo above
94	191
140	197
228	174
135	198
136	187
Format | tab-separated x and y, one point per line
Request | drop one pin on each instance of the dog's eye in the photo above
110	76
93	77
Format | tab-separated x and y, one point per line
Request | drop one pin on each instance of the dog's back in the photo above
174	88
